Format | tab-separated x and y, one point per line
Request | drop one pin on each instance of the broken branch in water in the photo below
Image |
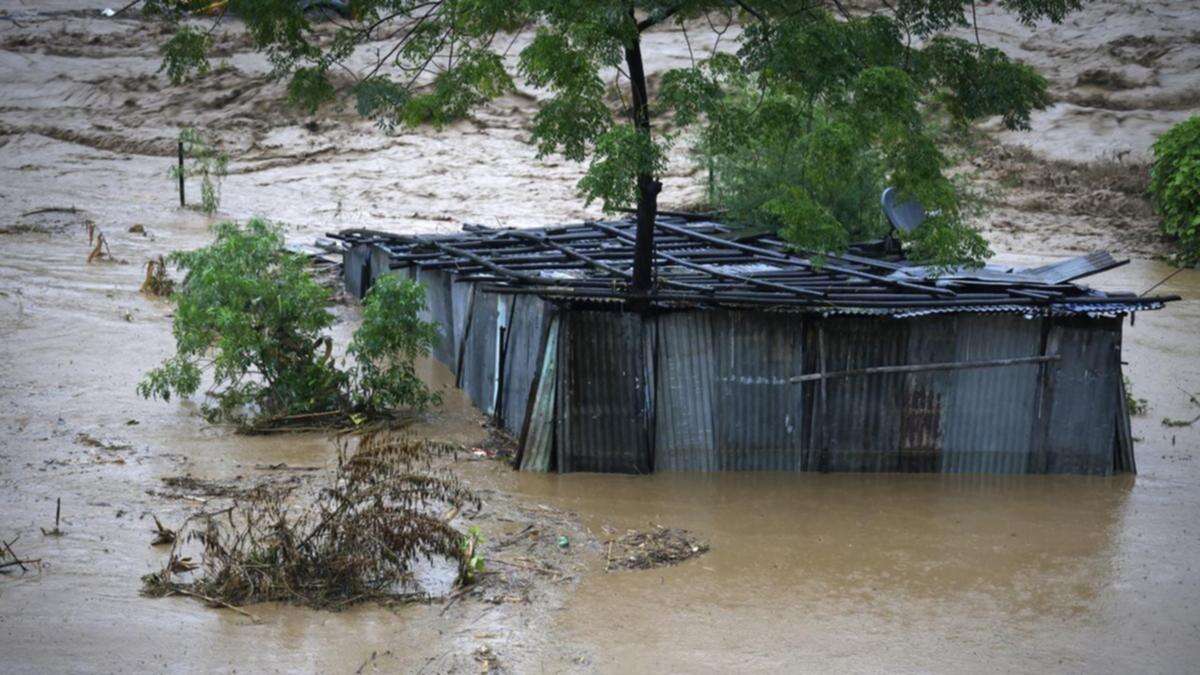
51	209
163	535
57	516
16	560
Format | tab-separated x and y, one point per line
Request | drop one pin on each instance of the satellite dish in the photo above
904	217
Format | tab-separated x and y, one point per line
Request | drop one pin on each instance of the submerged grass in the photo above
357	540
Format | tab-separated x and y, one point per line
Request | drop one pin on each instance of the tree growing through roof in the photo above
848	83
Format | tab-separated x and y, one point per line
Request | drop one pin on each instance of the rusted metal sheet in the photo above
922	435
684	387
538	438
522	347
439	310
856	421
990	413
1081	396
603	417
757	410
480	352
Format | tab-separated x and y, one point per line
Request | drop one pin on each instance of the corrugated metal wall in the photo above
537	437
684	437
1082	404
991	414
710	390
440	311
856	420
758	412
480	351
522	349
602	397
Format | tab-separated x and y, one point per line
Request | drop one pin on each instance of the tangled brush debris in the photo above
157	283
355	540
658	547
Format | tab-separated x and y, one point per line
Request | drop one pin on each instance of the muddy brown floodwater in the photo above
806	572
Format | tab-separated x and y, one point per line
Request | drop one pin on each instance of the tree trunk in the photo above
647	185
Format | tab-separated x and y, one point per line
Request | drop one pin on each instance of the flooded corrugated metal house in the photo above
747	355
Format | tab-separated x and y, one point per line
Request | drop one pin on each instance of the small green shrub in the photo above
250	312
1175	187
386	345
207	162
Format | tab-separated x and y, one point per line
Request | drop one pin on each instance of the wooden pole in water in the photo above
181	200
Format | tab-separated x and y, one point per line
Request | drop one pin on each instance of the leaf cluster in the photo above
1175	187
204	159
250	315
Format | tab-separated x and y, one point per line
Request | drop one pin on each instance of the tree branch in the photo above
652	21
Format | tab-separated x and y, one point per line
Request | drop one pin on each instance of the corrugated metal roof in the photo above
706	264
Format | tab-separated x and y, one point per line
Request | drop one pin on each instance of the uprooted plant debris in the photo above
46	220
182	487
157	283
657	547
355	540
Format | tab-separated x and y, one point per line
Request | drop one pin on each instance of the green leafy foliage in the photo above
249	312
205	160
850	93
386	345
250	315
472	563
1175	187
185	55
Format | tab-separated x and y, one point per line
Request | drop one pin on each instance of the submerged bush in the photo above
250	313
1175	187
356	540
391	338
207	162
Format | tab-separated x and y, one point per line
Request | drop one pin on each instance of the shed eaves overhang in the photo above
709	264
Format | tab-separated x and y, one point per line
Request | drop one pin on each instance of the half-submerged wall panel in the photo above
439	310
538	436
927	394
602	393
857	419
1081	396
477	376
991	412
684	386
462	298
757	410
523	346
